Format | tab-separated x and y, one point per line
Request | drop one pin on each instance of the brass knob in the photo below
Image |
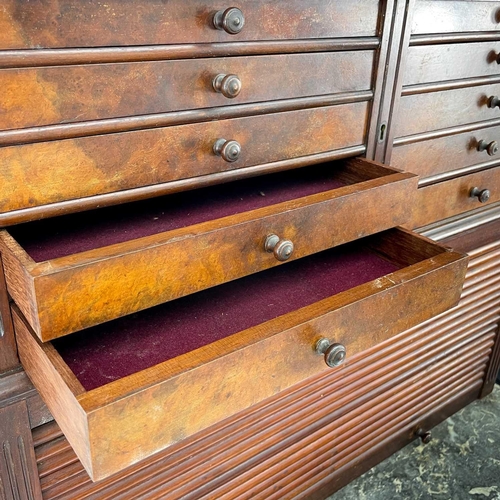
229	150
335	354
282	249
493	102
425	436
227	85
230	20
491	148
483	195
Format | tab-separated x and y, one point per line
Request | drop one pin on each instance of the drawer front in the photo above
55	171
54	95
438	63
445	199
444	16
438	110
51	24
73	292
445	154
120	423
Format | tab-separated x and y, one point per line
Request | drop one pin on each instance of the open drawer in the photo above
129	388
77	271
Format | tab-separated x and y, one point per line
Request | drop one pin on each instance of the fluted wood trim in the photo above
18	471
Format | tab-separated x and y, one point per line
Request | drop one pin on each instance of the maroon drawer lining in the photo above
127	345
67	235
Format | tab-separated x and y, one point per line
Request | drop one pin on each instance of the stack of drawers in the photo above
447	128
223	306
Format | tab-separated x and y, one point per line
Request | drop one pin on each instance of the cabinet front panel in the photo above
75	23
437	63
444	16
447	108
55	171
430	158
69	94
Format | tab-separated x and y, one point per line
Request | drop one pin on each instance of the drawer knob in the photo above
227	85
230	20
282	249
493	102
491	148
335	354
229	150
483	195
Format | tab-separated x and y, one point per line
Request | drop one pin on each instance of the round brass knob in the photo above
335	354
229	150
493	102
425	436
483	195
230	20
491	148
282	249
227	85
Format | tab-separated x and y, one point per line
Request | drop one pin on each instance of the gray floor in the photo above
461	462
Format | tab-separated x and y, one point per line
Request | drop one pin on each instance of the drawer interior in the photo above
71	273
127	389
113	350
53	238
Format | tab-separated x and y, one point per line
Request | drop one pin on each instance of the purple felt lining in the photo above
127	345
67	235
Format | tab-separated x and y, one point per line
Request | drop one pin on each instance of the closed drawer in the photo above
66	94
438	110
51	24
445	199
444	16
71	273
52	172
438	63
443	155
240	343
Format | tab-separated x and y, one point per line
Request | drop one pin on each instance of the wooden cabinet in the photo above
201	264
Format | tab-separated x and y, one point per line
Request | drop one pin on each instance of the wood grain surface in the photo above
445	199
446	108
51	24
443	155
68	94
55	171
126	420
443	16
435	63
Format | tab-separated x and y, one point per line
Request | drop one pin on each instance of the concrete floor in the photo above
461	462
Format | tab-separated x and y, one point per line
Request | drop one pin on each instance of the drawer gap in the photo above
119	348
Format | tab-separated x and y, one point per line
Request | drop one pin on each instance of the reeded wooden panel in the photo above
444	16
87	23
432	157
308	437
447	108
435	63
55	171
67	94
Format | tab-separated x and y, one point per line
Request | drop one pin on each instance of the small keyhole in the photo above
381	137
